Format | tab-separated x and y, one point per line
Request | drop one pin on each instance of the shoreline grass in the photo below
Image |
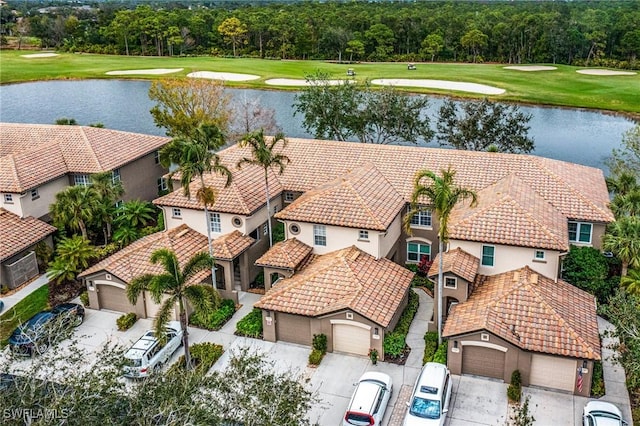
563	87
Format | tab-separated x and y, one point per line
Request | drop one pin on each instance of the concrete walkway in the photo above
10	301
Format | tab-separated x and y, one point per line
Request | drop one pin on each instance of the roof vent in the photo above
354	255
534	279
516	276
182	233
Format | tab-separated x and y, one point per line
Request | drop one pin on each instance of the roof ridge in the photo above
366	205
540	225
89	145
14	170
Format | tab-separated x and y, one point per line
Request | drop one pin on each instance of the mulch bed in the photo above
60	293
399	360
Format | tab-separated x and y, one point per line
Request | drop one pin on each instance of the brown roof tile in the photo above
231	245
343	279
458	262
134	260
362	198
288	254
532	312
32	154
17	234
510	212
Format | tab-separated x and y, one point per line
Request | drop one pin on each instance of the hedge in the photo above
250	325
215	319
395	342
126	321
430	346
203	356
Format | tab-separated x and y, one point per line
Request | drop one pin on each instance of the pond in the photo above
579	136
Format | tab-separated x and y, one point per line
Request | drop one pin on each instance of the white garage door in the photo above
351	339
553	372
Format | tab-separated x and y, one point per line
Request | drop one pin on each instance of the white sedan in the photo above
369	401
599	413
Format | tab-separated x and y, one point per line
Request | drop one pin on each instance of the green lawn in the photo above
562	87
22	311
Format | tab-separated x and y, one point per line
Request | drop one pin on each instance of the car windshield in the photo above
426	408
135	362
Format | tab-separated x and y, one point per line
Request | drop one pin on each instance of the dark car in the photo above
39	332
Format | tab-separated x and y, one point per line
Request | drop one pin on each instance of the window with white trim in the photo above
81	180
451	282
416	251
214	222
156	157
580	232
319	235
115	175
363	235
162	184
488	255
539	255
8	198
35	194
421	218
177	213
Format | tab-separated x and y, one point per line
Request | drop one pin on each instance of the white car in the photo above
431	396
148	354
599	413
369	401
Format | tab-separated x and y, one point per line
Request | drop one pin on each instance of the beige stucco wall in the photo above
597	234
24	206
461	293
421	234
508	258
140	178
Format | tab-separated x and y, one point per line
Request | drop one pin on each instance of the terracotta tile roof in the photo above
32	154
531	311
578	192
510	212
458	262
362	198
231	245
133	260
17	234
244	195
288	254
343	279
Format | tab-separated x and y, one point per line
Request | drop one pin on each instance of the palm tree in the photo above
441	195
263	155
74	207
175	285
135	213
72	256
631	282
623	240
194	156
109	192
125	235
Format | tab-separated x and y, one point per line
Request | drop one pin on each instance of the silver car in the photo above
149	354
369	400
600	413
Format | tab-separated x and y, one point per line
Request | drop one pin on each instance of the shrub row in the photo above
430	346
250	325
203	356
319	349
394	342
441	354
215	319
126	321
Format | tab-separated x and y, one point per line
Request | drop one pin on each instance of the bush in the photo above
320	342
126	321
84	298
441	354
315	357
203	356
215	319
394	342
250	325
514	391
430	346
597	381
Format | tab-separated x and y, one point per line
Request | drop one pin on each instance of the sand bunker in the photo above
531	68
149	71
605	72
441	84
40	55
226	76
298	82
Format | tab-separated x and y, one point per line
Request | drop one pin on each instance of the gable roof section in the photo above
288	254
510	212
231	245
343	279
245	194
134	260
362	198
532	312
32	154
17	234
458	262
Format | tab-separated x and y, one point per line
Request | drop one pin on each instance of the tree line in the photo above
579	33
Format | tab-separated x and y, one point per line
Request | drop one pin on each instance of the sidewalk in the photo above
10	301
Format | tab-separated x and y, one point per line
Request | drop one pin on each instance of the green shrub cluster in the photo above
394	342
597	381
315	357
126	321
430	346
514	391
215	319
203	356
84	298
441	354
250	325
320	342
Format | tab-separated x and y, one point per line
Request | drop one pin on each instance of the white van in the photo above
147	354
431	395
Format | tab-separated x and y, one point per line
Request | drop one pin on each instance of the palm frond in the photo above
137	286
203	297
